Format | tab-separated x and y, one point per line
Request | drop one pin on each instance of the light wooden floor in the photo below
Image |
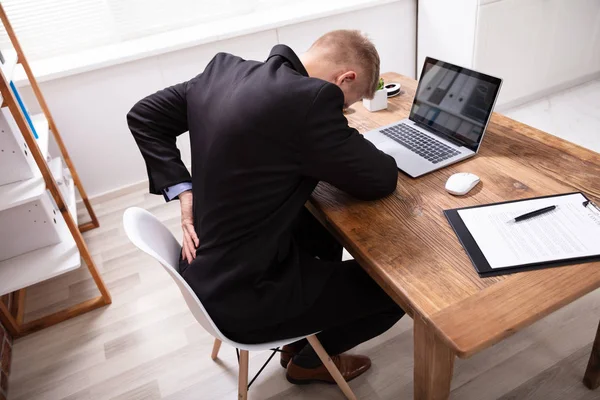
146	345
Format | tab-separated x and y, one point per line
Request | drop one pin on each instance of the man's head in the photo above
348	59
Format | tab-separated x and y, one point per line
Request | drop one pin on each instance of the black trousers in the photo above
351	309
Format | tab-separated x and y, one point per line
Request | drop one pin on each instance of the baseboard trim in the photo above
112	194
547	92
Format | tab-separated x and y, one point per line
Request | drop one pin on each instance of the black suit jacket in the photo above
262	134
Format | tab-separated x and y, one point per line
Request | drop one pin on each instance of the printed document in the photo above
569	231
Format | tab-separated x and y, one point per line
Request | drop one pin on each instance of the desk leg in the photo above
592	373
434	364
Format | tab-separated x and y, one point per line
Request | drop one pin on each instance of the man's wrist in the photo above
185	194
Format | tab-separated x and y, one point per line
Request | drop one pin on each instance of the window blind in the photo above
50	28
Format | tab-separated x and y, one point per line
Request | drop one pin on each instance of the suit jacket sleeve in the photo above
335	153
155	123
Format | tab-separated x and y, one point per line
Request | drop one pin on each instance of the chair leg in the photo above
243	376
331	367
215	351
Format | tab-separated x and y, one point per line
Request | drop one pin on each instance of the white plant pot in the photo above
378	102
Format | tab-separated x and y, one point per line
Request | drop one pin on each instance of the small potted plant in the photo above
379	100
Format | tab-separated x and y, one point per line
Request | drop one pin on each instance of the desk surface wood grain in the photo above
408	247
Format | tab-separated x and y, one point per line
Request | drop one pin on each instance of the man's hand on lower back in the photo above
190	239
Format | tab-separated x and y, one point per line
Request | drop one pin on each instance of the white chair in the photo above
147	233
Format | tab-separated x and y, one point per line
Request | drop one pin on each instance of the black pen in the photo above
534	213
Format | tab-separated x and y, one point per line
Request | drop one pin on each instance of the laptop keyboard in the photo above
420	143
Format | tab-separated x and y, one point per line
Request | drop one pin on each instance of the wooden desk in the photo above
408	247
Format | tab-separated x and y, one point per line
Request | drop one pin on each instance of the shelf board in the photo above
41	127
17	193
41	264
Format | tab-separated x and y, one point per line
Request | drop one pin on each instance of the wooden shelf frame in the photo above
12	317
21	59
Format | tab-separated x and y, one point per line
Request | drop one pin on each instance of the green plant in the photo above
381	84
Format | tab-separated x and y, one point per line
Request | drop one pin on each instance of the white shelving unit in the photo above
39	235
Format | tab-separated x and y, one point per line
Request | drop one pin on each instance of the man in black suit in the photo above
263	134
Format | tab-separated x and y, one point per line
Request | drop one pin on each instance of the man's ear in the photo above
346	77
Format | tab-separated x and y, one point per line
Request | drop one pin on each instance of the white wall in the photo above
90	108
536	46
447	31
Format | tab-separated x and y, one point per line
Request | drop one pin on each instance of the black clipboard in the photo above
479	261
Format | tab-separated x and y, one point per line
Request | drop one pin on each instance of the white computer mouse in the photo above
461	183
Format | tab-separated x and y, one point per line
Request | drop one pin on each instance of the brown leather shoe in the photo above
288	351
350	367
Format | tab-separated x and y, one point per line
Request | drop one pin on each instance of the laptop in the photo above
448	118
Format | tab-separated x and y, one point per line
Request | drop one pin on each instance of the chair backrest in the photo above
150	235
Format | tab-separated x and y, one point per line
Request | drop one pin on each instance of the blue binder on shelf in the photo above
23	109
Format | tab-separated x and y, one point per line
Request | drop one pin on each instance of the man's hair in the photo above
352	48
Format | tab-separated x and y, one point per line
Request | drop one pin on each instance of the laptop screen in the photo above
455	102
